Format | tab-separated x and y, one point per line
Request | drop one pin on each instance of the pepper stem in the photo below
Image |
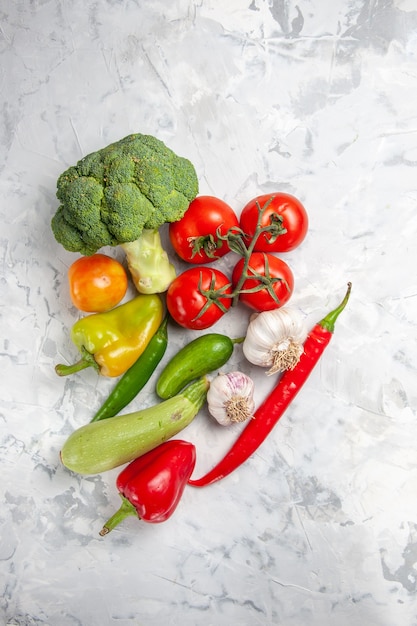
238	242
87	360
125	510
329	321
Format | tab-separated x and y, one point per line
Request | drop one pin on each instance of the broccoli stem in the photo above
148	263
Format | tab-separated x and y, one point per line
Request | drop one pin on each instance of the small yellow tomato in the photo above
97	283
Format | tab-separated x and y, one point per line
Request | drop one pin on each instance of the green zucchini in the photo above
199	357
103	445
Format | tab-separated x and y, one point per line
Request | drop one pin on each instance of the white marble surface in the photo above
314	97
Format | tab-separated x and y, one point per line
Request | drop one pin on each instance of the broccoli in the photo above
121	195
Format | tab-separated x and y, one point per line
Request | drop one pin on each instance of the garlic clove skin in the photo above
275	339
230	398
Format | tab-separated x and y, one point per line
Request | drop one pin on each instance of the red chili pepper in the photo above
152	485
269	412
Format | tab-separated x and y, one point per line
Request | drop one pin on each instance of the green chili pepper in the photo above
136	376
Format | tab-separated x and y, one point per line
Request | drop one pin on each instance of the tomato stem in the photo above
212	295
206	243
236	240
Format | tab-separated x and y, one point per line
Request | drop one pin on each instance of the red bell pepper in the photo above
152	485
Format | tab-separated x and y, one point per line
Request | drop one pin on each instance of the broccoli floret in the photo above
114	195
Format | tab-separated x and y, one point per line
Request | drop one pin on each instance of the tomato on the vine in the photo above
195	236
287	215
194	298
97	283
265	268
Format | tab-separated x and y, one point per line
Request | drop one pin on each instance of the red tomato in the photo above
194	237
264	265
191	297
282	205
97	283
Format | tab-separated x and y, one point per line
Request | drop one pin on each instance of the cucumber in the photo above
199	357
103	445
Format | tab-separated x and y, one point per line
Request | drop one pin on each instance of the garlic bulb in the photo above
230	398
275	339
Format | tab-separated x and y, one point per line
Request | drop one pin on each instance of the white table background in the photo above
316	98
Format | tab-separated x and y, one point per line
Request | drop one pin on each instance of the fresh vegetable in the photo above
270	411
195	237
284	214
197	358
111	342
230	398
116	195
148	263
151	486
97	283
197	298
136	376
100	446
275	339
267	284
